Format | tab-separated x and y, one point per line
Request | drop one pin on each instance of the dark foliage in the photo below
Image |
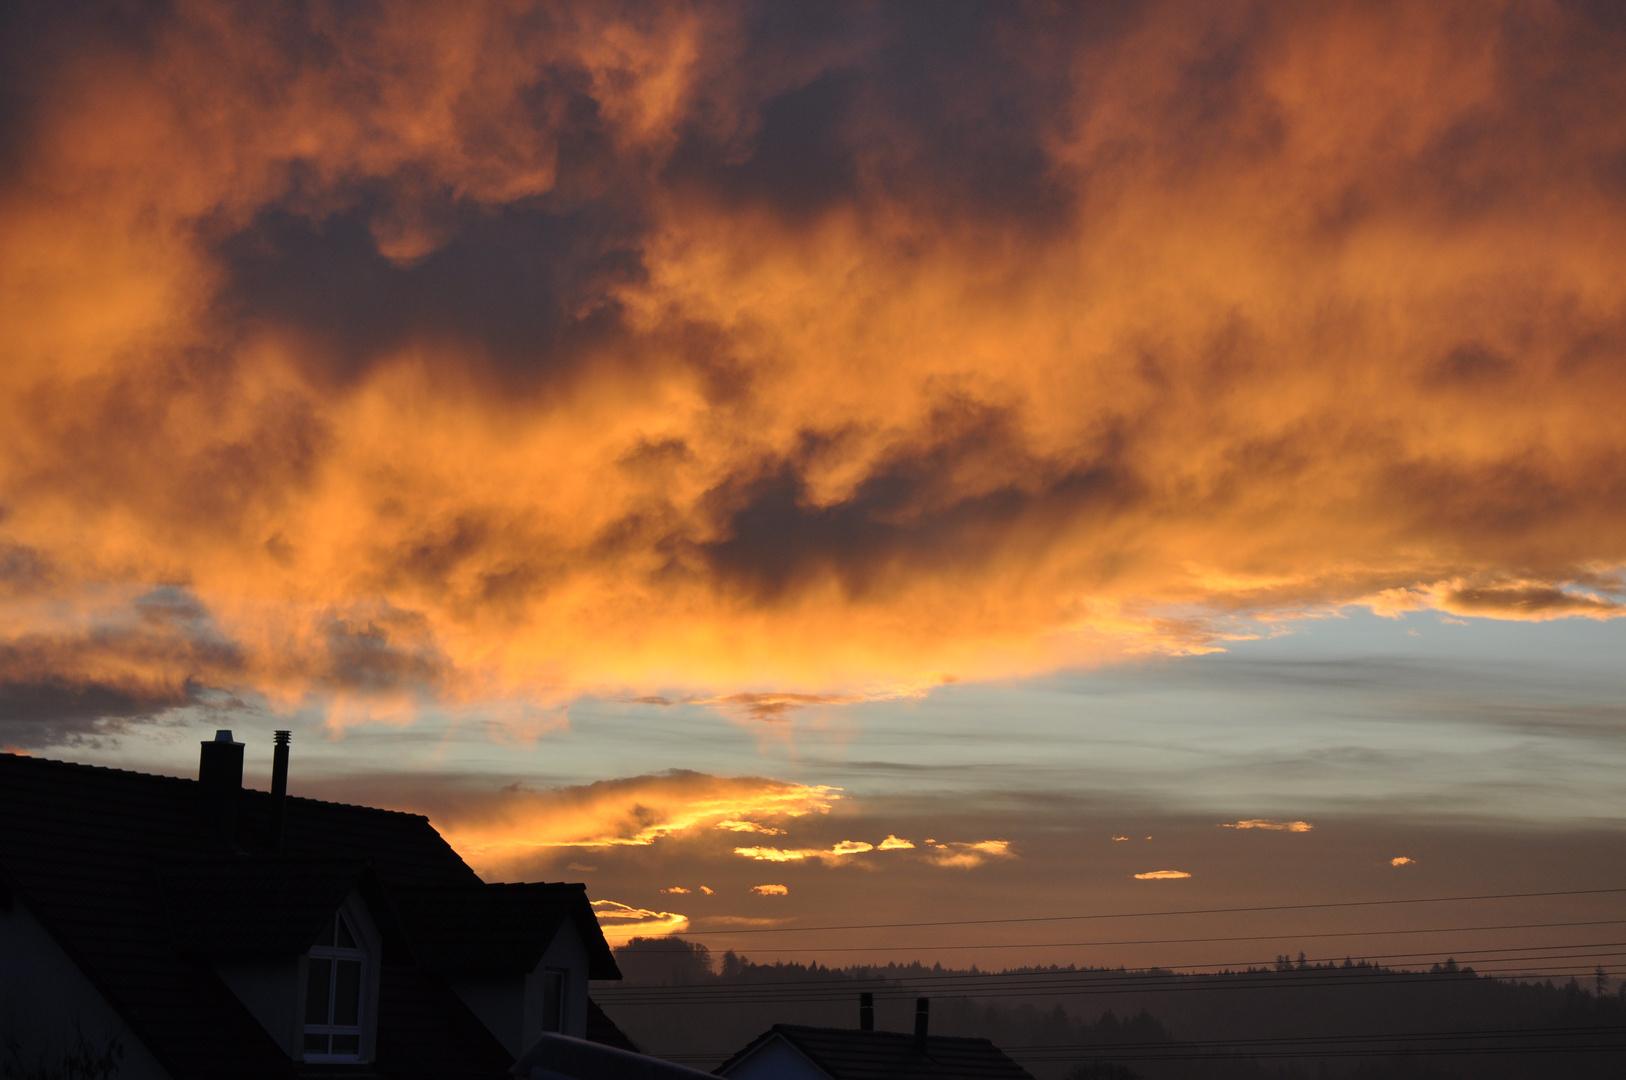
1292	1021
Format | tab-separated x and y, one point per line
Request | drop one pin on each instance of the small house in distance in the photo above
794	1052
158	928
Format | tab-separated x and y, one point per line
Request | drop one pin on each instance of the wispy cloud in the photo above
636	811
1402	860
893	843
770	890
622	922
839	851
776	707
1270	825
1162	875
967	855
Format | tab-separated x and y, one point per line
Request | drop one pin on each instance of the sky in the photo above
791	465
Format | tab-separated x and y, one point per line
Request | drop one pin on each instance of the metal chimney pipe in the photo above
866	1011
220	782
923	1014
279	785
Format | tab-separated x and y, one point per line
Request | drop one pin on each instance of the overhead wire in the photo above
1607	1039
1105	942
1063	982
1160	914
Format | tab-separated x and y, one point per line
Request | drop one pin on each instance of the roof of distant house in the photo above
848	1054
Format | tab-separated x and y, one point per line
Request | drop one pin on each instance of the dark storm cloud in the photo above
23	570
493	350
526	288
919	507
56	689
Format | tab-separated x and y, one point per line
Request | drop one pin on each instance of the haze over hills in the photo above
1294	1019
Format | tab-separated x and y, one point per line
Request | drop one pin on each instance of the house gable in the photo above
774	1058
52	1008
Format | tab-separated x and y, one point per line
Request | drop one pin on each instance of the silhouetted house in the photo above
212	931
794	1052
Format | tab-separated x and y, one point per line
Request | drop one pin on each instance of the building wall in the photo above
567	952
48	1005
776	1059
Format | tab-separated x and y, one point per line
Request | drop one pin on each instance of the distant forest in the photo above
1292	1021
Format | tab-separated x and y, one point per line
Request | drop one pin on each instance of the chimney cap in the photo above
223	735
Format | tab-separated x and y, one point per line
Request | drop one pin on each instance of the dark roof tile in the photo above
849	1054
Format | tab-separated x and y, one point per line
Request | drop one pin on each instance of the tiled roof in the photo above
140	889
601	1029
847	1054
498	929
253	908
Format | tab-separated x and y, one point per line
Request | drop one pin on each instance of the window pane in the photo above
344	939
553	1001
315	1044
316	991
347	993
347	1044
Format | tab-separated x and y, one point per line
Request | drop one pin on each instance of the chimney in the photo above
923	1014
220	778
866	1011
279	786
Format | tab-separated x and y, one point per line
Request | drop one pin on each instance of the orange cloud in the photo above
513	352
839	851
965	856
1402	860
636	811
621	922
675	890
770	890
892	843
1270	826
1162	875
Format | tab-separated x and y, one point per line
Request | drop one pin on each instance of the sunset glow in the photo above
955	459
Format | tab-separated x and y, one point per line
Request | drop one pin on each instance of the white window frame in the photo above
561	1017
333	953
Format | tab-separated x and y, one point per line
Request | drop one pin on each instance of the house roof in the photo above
139	887
499	929
847	1054
252	908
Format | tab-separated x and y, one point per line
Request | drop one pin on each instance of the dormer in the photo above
294	940
519	956
339	978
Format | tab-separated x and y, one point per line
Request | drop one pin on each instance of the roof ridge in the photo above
349	806
58	762
97	768
883	1031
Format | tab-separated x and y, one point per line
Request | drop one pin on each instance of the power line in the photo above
1386	1044
1065	983
1154	914
1162	941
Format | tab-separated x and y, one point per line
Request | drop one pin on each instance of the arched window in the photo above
335	991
